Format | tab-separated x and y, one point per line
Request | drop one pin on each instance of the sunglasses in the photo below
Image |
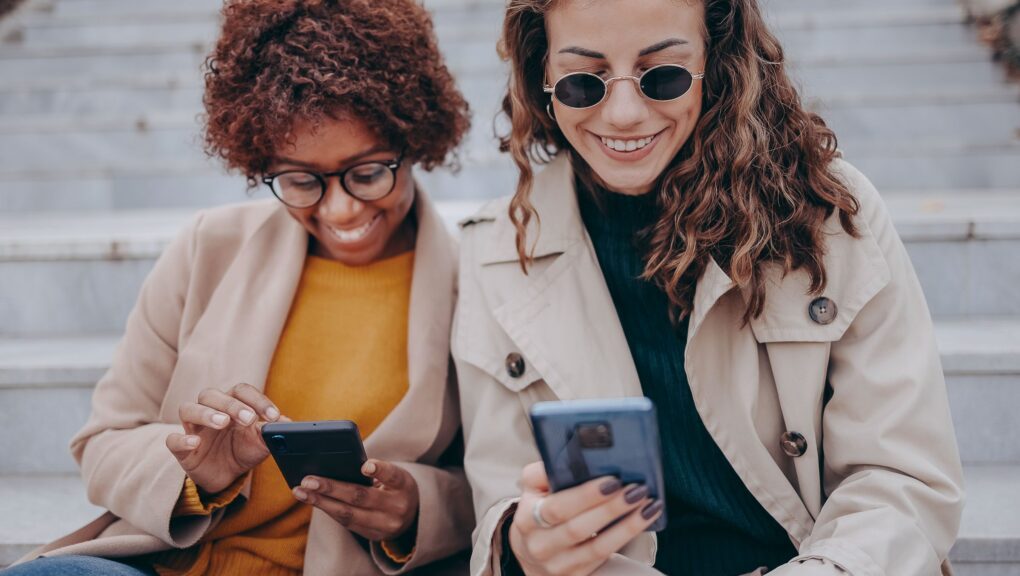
659	83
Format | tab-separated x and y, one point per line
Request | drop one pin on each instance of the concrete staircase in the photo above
100	163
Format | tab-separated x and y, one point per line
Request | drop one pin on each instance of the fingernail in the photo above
635	494
273	413
220	419
610	486
300	494
246	416
191	441
651	510
311	484
368	469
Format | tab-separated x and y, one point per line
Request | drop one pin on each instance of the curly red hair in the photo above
279	61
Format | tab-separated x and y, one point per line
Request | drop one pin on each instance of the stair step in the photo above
973	83
43	508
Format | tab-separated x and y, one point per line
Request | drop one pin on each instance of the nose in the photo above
338	207
624	106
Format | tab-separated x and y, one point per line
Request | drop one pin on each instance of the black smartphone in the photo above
584	439
326	448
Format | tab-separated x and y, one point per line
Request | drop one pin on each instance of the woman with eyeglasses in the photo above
696	238
332	301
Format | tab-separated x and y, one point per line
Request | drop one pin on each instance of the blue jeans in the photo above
76	566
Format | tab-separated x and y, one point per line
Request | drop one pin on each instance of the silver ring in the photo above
536	514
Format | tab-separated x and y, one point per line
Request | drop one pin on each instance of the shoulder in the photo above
228	228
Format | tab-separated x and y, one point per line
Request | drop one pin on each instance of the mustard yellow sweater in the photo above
342	355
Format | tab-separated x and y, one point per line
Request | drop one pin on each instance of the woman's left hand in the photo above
384	511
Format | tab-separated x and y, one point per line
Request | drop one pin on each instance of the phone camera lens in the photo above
278	443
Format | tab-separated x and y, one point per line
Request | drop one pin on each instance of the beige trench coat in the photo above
886	498
210	315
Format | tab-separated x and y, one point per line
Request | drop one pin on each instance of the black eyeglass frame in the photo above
551	88
391	165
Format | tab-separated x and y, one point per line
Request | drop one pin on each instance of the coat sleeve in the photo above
444	518
121	450
892	469
497	433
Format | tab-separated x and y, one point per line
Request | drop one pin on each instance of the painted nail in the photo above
311	484
246	416
610	486
651	510
635	494
368	469
300	494
191	441
220	419
272	413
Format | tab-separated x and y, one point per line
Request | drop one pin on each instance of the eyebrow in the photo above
657	47
346	162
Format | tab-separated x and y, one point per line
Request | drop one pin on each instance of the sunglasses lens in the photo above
580	90
666	82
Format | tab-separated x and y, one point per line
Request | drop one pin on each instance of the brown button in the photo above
514	365
794	444
823	311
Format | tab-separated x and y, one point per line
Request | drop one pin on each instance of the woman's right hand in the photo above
222	435
579	538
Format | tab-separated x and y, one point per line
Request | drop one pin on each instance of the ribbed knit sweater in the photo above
715	526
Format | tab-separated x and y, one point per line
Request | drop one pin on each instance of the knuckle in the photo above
359	497
535	549
238	388
393	525
205	395
575	531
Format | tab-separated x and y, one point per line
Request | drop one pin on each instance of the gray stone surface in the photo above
38	509
40	376
43	508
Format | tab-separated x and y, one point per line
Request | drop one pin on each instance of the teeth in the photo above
355	234
626	145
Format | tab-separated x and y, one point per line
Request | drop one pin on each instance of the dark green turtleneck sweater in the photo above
715	526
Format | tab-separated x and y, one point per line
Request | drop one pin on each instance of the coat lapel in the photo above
563	319
235	339
412	427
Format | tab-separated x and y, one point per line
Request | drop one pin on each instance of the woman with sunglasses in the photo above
695	238
333	301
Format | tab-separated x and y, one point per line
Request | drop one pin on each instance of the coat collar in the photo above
855	267
252	303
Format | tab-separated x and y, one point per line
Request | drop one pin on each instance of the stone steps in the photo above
73	273
42	508
31	143
40	376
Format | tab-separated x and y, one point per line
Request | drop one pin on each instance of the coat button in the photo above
823	311
514	365
794	444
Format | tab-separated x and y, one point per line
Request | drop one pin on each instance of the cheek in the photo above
399	202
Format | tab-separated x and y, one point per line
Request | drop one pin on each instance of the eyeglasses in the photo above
660	83
367	181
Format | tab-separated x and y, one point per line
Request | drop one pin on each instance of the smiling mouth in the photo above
627	145
355	234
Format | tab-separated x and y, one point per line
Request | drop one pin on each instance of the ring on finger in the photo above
536	514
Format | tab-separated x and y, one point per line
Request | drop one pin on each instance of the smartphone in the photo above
327	448
584	439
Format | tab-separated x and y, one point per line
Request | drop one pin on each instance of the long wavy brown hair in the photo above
752	186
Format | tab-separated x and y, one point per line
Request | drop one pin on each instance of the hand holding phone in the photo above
598	485
325	465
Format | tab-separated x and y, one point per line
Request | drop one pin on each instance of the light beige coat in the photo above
210	315
886	498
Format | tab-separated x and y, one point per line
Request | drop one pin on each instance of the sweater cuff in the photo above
193	502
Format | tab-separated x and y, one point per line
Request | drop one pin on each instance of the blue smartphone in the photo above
584	439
